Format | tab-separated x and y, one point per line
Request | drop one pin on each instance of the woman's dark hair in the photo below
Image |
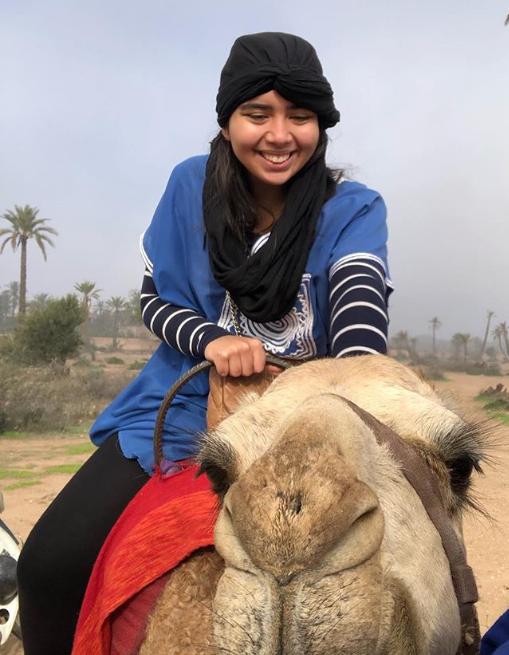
229	178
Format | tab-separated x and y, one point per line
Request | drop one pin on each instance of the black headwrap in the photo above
265	285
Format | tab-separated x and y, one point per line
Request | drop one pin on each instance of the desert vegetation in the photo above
62	359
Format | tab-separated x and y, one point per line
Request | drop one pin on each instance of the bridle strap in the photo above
426	487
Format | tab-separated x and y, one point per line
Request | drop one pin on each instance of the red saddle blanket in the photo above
165	522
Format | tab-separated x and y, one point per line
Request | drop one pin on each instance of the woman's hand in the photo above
236	356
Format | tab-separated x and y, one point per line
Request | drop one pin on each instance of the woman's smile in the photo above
272	138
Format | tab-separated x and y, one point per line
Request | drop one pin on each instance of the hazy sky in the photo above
99	100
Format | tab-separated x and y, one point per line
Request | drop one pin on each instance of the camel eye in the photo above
460	471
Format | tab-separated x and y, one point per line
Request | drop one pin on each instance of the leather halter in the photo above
418	475
425	485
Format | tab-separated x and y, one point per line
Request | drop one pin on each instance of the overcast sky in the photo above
100	99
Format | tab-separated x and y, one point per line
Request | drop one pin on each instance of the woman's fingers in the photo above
259	356
236	356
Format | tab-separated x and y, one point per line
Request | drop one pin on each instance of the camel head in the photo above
327	547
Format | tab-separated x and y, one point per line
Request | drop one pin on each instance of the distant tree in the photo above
457	343
24	226
5	305
435	325
462	338
50	334
486	333
39	301
117	304
402	341
89	292
13	289
133	301
500	333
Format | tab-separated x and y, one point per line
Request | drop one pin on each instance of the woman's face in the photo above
272	138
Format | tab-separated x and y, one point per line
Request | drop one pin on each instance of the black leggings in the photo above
57	559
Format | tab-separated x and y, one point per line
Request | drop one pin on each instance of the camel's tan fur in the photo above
327	548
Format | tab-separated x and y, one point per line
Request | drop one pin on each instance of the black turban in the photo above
264	286
268	61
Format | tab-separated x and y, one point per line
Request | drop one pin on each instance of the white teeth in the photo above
277	159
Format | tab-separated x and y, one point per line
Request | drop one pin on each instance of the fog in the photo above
101	100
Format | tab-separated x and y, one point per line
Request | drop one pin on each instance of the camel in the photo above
322	545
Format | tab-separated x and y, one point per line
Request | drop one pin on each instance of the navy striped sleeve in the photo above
180	328
358	306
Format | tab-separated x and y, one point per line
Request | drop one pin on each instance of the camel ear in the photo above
218	461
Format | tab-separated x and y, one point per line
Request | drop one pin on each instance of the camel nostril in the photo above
292	503
284	580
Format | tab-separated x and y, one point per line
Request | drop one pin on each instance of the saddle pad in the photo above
170	517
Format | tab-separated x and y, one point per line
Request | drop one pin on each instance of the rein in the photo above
183	380
417	474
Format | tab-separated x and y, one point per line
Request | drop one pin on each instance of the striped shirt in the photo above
357	301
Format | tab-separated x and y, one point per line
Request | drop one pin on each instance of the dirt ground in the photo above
487	538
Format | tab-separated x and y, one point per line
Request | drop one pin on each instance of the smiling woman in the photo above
273	139
256	248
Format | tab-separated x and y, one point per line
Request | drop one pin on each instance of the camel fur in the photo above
323	547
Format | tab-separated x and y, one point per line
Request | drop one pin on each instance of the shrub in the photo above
49	334
115	360
54	398
83	361
136	366
434	372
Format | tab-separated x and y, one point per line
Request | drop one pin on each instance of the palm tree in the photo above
88	292
13	290
486	333
501	335
24	226
117	304
464	338
435	325
133	300
39	301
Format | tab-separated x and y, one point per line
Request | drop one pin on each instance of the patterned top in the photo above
340	309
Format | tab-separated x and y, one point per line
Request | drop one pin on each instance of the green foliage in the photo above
80	449
12	434
21	484
497	408
136	366
115	360
50	334
14	474
58	469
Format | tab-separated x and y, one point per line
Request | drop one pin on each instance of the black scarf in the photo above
265	285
